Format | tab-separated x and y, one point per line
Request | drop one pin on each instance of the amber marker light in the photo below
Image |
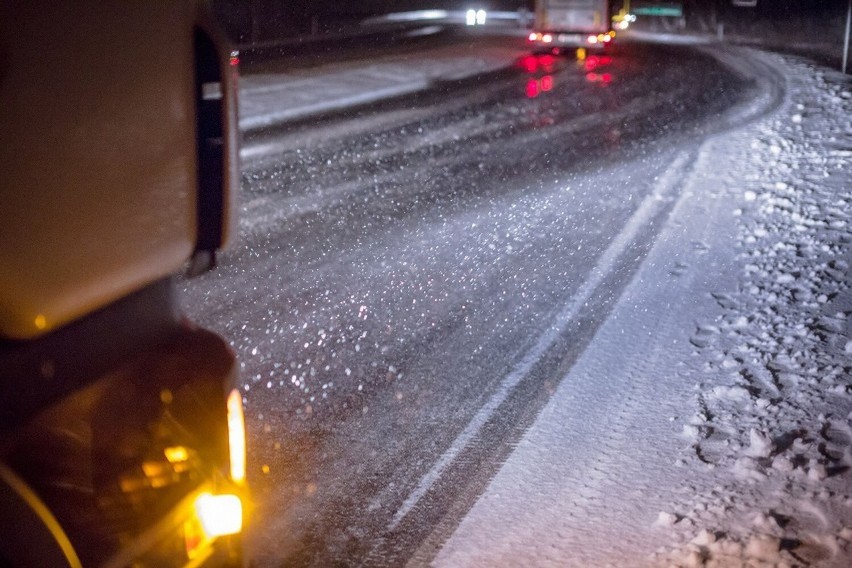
219	515
237	436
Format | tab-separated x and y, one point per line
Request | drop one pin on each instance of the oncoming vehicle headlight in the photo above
476	17
237	436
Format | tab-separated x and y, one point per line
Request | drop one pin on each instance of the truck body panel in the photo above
122	434
586	16
97	196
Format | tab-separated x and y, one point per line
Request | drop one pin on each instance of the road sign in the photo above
669	10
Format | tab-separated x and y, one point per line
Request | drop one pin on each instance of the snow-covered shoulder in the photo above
772	400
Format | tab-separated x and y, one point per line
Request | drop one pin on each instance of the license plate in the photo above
568	38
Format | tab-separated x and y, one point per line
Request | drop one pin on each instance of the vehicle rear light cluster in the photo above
601	38
541	37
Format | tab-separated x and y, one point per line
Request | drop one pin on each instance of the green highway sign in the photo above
673	11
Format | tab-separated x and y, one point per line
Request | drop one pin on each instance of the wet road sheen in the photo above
399	261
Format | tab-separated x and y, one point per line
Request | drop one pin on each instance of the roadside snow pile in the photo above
773	418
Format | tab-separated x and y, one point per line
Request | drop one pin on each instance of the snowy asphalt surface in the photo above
527	295
724	372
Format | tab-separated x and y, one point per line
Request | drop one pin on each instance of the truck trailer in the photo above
561	24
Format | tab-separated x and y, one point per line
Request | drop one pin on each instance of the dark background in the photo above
255	21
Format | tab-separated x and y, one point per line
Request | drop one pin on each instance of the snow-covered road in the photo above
389	306
709	422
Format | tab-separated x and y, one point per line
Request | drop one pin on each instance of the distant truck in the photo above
122	435
561	24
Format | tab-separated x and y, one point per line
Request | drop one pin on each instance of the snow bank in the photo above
778	430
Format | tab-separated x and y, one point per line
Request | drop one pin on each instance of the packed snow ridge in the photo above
772	411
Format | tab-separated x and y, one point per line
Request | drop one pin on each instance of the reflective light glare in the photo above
176	454
220	515
193	536
237	436
533	63
415	15
529	63
604	78
592	62
537	86
154	470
